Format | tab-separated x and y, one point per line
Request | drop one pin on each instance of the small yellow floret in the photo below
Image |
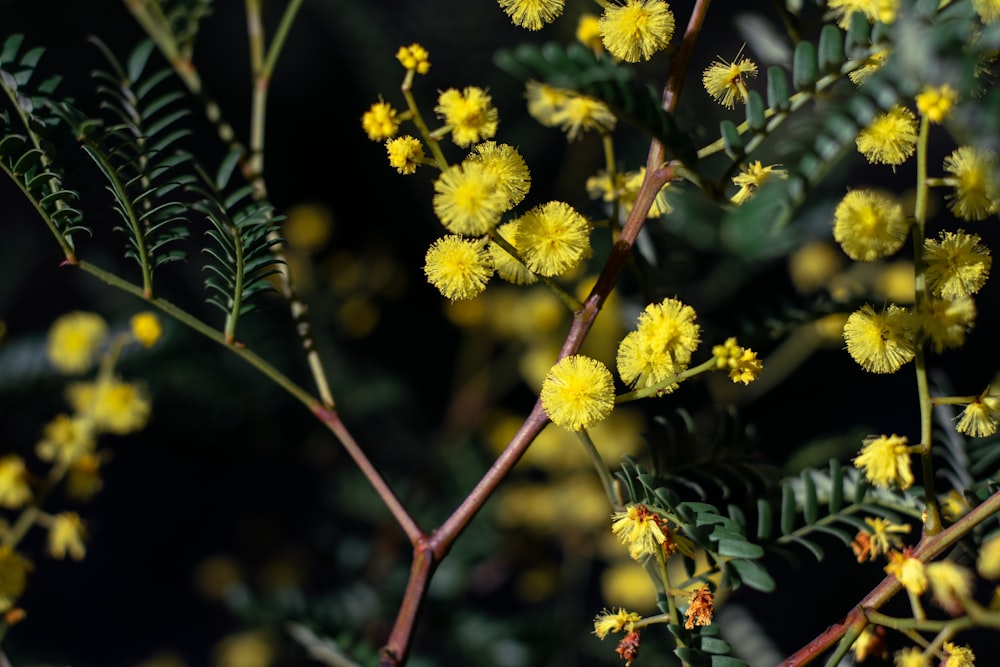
643	531
936	102
380	122
880	342
752	177
66	535
988	562
532	14
878	538
885	461
909	570
637	29
112	406
65	439
146	328
725	81
869	226
469	114
588	32
951	585
945	321
14	489
741	362
614	621
74	340
890	138
666	336
405	153
552	238
459	268
580	113
988	10
578	392
414	57
910	657
974	177
871	64
959	656
883	11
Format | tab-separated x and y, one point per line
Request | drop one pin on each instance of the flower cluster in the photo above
661	346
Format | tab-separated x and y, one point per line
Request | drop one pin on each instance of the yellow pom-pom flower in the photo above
871	64
951	585
146	328
885	461
873	10
988	10
936	102
880	342
957	264
752	177
579	113
869	226
910	657
469	114
74	340
981	417
642	530
14	489
414	57
909	570
66	439
666	336
974	177
507	166
459	268
113	406
959	656
614	621
532	14
988	562
637	29
507	266
890	138
545	101
588	32
467	199
380	122
946	321
552	238
66	535
405	153
725	82
578	392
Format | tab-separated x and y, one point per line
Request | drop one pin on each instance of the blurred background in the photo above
233	528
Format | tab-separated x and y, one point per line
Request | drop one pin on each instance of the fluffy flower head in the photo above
959	656
552	238
988	10
880	342
467	199
112	405
66	439
885	461
507	266
588	32
637	29
946	321
725	82
752	177
614	621
890	138
643	531
14	489
532	14
580	113
936	102
909	570
459	268
951	585
981	417
873	10
380	122
507	166
405	153
974	177
666	335
469	114
66	536
957	264
146	328
869	226
578	392
74	339
700	608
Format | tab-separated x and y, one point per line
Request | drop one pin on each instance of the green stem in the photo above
654	390
280	37
411	104
602	469
852	634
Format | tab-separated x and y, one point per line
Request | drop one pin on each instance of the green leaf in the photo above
810	503
727	661
836	486
691	656
805	67
777	88
713	645
739	548
816	550
752	574
731	139
788	509
831	49
765	519
755	111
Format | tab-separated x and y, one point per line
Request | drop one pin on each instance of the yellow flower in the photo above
752	177
725	81
871	642
661	346
532	14
14	489
945	321
700	608
578	392
414	57
13	577
545	101
470	114
910	657
959	656
869	226
880	342
614	621
84	478
741	362
980	417
883	535
890	138
885	461
588	32
871	64
506	265
951	585
625	189
909	570
112	405
459	268
643	531
873	10
988	562
74	339
936	102
973	175
467	199
380	122
579	113
66	536
507	166
146	328
988	10
956	265
552	238
65	439
405	153
637	29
